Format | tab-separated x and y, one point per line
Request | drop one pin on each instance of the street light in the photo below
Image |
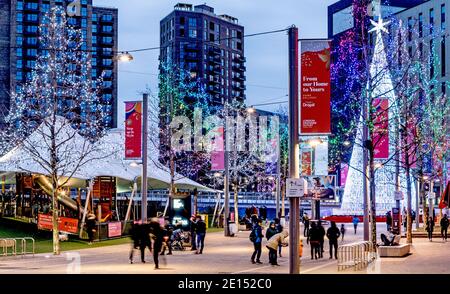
314	142
347	143
134	164
251	110
125	57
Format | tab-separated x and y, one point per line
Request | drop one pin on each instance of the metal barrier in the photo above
7	243
357	255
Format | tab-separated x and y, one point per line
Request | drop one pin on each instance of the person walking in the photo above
192	227
342	232
200	232
280	229
430	228
333	235
144	240
444	227
388	221
322	238
306	225
90	227
274	242
158	235
256	236
314	240
168	232
355	222
134	233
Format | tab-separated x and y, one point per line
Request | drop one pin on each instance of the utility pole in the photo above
365	168
278	184
294	202
144	158
226	178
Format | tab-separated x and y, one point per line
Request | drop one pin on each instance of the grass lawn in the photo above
45	245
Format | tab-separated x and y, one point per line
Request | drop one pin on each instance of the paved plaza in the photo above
223	256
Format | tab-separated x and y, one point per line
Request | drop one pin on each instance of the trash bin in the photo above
233	228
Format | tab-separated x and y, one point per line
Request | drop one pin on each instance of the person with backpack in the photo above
256	237
333	235
444	227
271	231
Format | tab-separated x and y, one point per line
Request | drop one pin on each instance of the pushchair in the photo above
179	238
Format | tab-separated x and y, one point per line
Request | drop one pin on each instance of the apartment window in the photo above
19	41
31	64
410	28
31	52
32	29
107	62
32	5
19	63
420	25
94	17
192	32
94	61
32	17
94	39
93	73
107	17
72	21
19	17
107	29
19	29
182	20
443	17
94	28
83	11
32	41
107	40
443	64
83	22
19	76
45	7
107	51
19	5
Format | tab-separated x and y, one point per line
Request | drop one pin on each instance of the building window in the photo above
107	29
72	21
443	63
107	40
94	28
420	25
19	29
83	11
32	17
182	20
410	28
19	63
32	29
443	17
32	5
192	33
94	39
31	64
107	17
31	52
94	17
19	5
19	41
19	17
431	21
107	62
19	76
32	41
83	22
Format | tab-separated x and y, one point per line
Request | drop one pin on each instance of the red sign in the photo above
381	129
133	130
65	224
306	163
114	229
315	79
217	153
344	173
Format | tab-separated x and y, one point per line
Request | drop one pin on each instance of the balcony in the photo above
215	90
240	78
213	82
240	59
191	48
240	68
214	61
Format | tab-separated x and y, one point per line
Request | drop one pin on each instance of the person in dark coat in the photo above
168	232
333	236
134	233
158	236
257	242
305	220
430	228
200	232
144	240
314	240
322	237
444	227
343	232
271	230
192	227
388	221
90	227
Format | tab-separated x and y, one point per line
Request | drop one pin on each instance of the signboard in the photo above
398	195
321	159
306	163
271	156
114	229
344	173
296	187
321	187
381	129
315	115
217	152
396	221
65	224
133	130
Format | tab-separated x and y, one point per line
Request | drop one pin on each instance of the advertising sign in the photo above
217	153
315	115
114	229
321	187
65	224
344	173
306	163
381	129
296	187
321	159
133	130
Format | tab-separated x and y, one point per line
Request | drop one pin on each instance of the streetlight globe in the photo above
315	142
251	110
125	57
134	164
217	175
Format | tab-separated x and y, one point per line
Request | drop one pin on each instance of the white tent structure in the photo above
104	158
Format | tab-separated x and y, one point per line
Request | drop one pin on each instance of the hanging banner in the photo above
381	129
315	115
271	157
306	163
217	153
321	159
344	173
133	130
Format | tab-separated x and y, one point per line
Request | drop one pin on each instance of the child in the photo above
342	232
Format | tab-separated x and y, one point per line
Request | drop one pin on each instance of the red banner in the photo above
133	130
381	129
217	153
315	79
114	229
65	224
344	174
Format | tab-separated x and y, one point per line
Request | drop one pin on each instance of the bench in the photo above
394	251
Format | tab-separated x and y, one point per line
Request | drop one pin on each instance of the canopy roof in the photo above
105	158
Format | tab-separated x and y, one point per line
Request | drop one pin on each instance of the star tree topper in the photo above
379	26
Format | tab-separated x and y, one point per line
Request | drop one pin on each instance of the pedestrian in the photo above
271	231
388	221
200	232
134	233
90	227
279	229
273	244
333	235
444	227
314	240
306	225
168	232
192	227
430	228
144	240
158	236
322	238
256	236
342	232
355	222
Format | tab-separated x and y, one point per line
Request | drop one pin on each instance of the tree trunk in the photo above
55	216
373	214
236	204
409	198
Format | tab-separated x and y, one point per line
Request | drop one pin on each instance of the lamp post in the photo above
144	158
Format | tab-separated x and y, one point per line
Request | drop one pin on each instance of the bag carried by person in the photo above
252	236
